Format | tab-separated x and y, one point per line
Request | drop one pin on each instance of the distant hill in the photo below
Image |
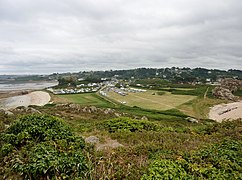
174	74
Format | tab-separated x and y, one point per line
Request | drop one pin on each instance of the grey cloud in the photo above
71	35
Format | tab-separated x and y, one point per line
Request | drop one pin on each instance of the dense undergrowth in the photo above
218	161
44	147
41	147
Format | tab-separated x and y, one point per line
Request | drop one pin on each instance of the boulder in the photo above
108	111
61	105
7	126
117	114
32	110
93	109
92	140
8	113
192	120
75	107
85	109
144	118
109	144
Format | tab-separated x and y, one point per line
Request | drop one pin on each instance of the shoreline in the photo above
38	98
19	86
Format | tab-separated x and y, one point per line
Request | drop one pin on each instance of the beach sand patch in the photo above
38	98
226	111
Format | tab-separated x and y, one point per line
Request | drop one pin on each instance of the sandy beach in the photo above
226	111
38	98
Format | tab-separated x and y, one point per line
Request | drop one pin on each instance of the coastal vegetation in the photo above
140	124
41	146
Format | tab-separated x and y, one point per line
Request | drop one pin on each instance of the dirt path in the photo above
205	94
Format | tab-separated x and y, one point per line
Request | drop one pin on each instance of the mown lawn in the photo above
86	99
151	100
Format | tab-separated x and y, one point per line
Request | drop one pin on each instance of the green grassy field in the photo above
165	143
150	100
86	99
92	99
146	103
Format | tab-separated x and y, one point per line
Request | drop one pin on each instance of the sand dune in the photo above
38	98
226	111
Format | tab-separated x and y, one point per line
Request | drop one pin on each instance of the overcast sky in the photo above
45	36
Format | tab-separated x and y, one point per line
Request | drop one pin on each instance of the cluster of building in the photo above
119	91
103	93
133	90
74	91
89	85
108	85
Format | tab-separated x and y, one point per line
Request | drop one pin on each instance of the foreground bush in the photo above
128	124
166	169
218	161
42	147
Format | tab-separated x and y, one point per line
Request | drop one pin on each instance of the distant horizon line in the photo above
44	74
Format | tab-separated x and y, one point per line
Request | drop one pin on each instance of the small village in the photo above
82	88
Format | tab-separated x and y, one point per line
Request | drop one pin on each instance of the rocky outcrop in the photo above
93	109
226	89
223	93
26	110
231	84
6	112
92	140
90	109
108	111
108	144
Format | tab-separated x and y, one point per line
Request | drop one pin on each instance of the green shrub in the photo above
39	128
42	147
218	161
238	92
128	124
166	169
221	161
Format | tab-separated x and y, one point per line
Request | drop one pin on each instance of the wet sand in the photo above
226	111
27	86
38	98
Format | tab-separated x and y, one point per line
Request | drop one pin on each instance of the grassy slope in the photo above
174	140
199	107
